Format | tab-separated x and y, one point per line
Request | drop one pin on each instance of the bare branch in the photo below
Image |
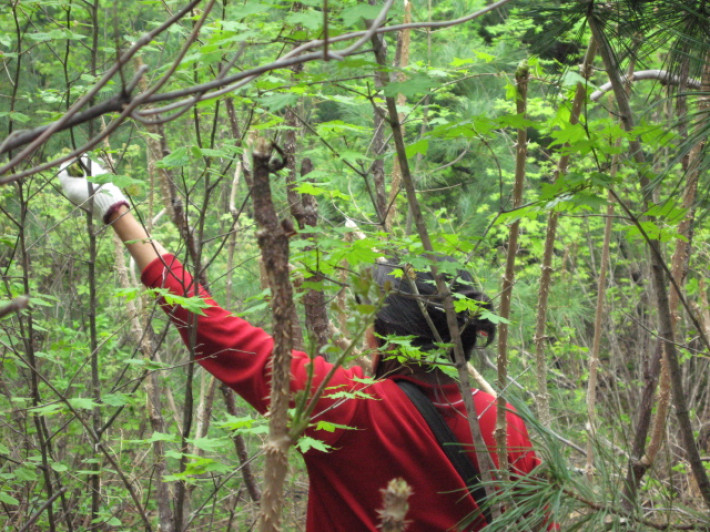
220	86
116	67
663	76
16	305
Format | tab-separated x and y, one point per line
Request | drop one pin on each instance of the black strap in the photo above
450	445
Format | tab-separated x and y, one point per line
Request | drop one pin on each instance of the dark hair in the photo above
402	315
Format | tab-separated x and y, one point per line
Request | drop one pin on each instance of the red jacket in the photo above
386	438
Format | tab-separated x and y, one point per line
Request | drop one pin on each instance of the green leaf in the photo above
47	410
517	121
159	436
8	499
353	15
568	134
306	443
115	399
17	116
330	427
24	474
310	188
307	19
418	147
571	79
209	444
43	300
413	86
210	152
240	10
488	58
58	467
85	403
278	101
492	317
180	157
195	304
667	210
130	293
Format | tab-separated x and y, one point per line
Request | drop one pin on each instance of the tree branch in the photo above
663	76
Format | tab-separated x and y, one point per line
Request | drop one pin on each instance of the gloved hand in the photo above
107	197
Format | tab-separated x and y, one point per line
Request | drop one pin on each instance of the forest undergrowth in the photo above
557	150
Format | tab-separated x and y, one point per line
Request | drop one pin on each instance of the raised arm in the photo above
134	236
230	348
110	205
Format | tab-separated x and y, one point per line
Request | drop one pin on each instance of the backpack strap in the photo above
449	443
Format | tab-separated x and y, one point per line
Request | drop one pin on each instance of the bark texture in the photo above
273	242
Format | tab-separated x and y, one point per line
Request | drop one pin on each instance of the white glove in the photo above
107	197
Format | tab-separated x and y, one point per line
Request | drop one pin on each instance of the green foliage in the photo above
460	126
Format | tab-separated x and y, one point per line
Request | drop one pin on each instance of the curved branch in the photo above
58	125
219	86
663	76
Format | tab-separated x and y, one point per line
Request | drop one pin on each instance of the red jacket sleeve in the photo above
238	353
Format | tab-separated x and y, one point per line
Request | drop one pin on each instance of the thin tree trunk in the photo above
542	395
28	335
95	479
522	75
485	462
304	209
679	270
273	242
665	324
289	147
314	303
596	339
379	146
401	61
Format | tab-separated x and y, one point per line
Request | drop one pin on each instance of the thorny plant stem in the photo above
273	242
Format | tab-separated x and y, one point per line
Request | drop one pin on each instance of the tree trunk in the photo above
542	395
485	462
273	242
665	324
522	76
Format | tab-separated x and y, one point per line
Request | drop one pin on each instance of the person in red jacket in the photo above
375	435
